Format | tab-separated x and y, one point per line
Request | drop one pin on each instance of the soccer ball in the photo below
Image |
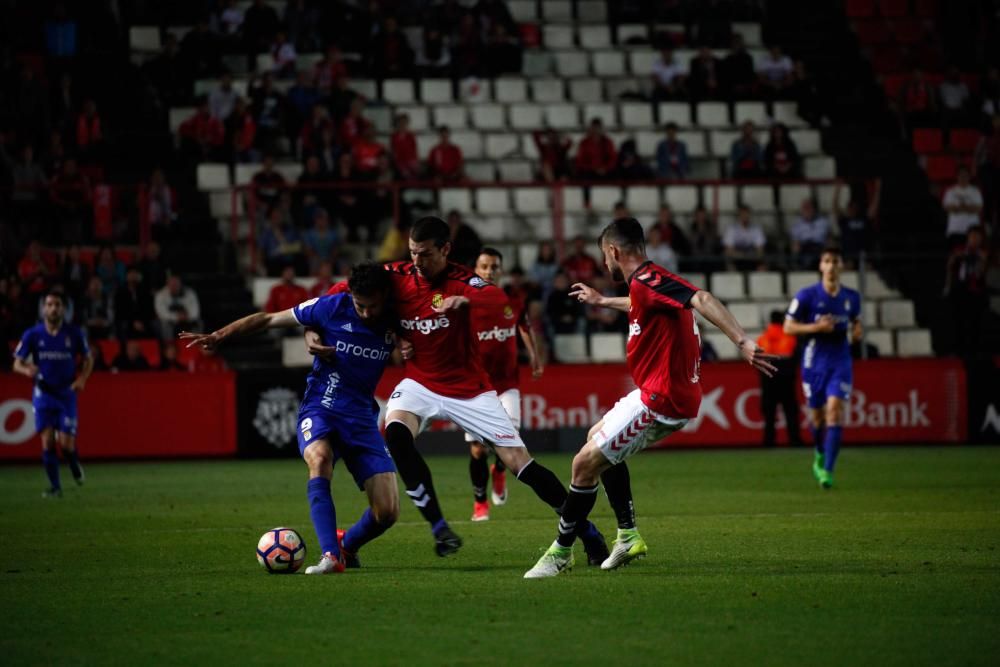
281	551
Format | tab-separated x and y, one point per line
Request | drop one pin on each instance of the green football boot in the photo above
818	461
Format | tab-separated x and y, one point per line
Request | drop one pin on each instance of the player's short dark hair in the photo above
56	294
431	228
832	250
777	317
626	233
670	126
369	279
492	252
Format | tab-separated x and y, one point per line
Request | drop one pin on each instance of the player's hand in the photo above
78	385
406	349
756	357
30	370
206	341
825	324
453	302
586	294
315	347
537	368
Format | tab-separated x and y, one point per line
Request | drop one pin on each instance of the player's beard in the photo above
617	274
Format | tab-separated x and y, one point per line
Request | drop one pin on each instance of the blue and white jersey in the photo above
347	384
54	354
809	305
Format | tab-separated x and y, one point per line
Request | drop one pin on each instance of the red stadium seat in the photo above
894	8
908	31
858	9
963	141
928	140
888	58
872	32
151	350
186	356
109	349
892	84
940	167
531	36
927	9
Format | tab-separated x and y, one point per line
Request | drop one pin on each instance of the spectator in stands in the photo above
30	182
779	389
347	204
269	108
965	288
34	270
241	134
260	23
544	270
433	57
354	123
222	100
64	103
327	152
503	52
283	55
201	51
855	224
177	308
714	23
134	314
302	98
964	203
467	49
987	158
595	154
327	71
97	310
309	195
660	251
168	75
70	194
390	51
705	243
810	233
465	242
202	135
495	12
781	156
9	321
669	78
805	92
746	158
75	272
161	204
267	184
553	154
738	74
168	358
285	294
580	266
671	232
631	166
445	162
130	359
775	72
302	20
109	269
55	155
154	275
378	201
990	94
403	146
230	19
955	100
311	131
89	133
319	241
704	76
604	320
324	279
341	98
280	244
672	155
366	152
564	313
918	101
744	243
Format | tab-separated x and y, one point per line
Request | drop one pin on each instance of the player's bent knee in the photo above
319	459
587	465
478	451
386	511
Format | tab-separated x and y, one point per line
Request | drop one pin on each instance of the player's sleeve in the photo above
798	309
481	292
314	312
858	305
338	288
666	290
23	349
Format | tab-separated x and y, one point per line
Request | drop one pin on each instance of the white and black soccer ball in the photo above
281	551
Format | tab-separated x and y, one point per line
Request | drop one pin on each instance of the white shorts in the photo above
511	402
630	427
483	416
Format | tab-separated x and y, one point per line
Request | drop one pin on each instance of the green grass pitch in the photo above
750	563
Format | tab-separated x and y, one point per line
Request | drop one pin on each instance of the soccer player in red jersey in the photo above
446	380
496	328
664	359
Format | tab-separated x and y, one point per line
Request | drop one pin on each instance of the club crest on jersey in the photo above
477	282
508	312
437	300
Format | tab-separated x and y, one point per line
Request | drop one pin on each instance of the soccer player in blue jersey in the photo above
48	354
828	316
338	417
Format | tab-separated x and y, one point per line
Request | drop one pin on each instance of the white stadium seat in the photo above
594	36
820	167
869	314
213	176
705	168
747	314
623	87
592	12
562	116
608	114
570	348
681	198
674	112
750	32
824	197
501	145
604	197
556	36
526	116
897	314
294	353
510	90
178	115
882	340
536	63
790	196
471	144
722	197
636	115
458	199
765	285
754	112
435	91
398	91
573	201
426	141
420	117
586	90
914	343
557	10
489	117
144	38
646	142
629	31
244	173
492	201
798	279
605	347
290	170
547	90
642	199
572	63
480	170
516	170
695	143
787	113
609	63
531	200
366	88
454	116
523	10
728	285
641	62
713	114
807	141
760	198
723	346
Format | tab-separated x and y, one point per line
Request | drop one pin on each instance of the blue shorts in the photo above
356	441
54	411
818	384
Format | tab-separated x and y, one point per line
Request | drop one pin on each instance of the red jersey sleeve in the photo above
338	288
663	289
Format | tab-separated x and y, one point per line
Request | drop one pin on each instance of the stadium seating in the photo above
607	347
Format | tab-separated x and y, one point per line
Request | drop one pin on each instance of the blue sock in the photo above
363	532
819	437
74	462
51	462
589	532
438	526
324	516
831	447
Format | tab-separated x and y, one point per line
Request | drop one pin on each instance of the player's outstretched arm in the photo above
242	327
588	295
25	367
795	328
531	345
713	311
85	370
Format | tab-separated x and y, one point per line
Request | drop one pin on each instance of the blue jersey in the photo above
824	350
55	355
347	384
